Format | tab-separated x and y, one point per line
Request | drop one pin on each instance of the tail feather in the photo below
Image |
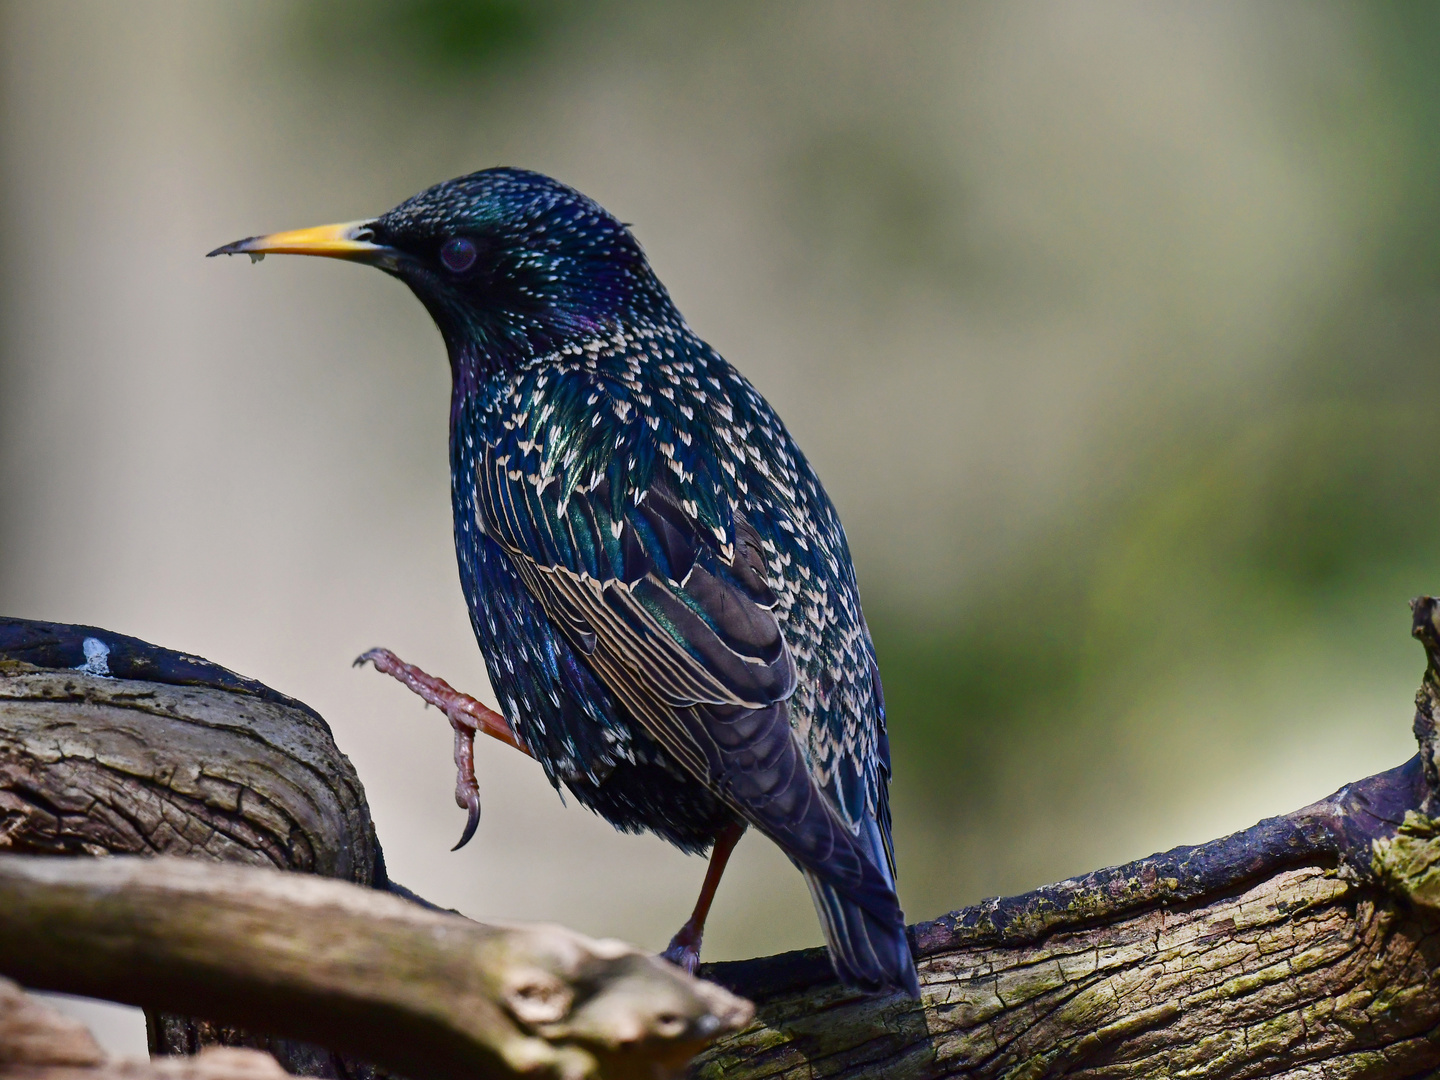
868	952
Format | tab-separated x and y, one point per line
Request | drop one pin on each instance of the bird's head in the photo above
510	264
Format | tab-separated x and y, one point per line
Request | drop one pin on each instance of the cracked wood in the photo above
1303	974
92	765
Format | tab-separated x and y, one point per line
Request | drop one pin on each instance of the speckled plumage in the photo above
658	582
607	420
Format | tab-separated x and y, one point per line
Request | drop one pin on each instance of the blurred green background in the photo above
1111	329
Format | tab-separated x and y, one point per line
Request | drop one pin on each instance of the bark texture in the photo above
1305	946
112	746
1302	974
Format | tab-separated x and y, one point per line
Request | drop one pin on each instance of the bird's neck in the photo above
483	367
487	348
480	362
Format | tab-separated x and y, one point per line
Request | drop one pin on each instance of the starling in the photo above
659	585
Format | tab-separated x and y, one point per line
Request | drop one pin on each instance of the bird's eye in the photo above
458	254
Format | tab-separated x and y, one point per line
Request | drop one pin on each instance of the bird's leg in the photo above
684	948
467	717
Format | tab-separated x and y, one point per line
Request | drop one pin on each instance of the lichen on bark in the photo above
1408	863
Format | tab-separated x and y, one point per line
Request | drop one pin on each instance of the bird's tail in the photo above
869	952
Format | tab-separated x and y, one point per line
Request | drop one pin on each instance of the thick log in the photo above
1305	946
109	745
1289	961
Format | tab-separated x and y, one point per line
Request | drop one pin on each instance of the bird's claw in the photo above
372	656
467	789
471	802
466	716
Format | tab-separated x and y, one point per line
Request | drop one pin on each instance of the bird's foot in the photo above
467	716
684	948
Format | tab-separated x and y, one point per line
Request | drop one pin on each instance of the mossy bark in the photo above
1305	946
1302	974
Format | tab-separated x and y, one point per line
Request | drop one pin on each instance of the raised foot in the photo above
466	715
684	948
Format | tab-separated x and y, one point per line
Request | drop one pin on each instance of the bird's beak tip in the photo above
347	240
237	248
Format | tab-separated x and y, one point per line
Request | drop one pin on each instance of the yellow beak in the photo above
348	240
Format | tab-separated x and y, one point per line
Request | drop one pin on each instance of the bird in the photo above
660	587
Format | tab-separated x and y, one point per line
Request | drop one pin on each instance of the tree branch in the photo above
1304	946
424	992
1292	958
39	1043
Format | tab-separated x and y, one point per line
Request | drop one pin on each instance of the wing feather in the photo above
684	638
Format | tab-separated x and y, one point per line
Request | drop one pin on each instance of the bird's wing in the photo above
673	611
666	620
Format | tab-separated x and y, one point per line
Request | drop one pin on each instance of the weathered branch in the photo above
1292	960
424	992
1304	946
133	750
143	751
110	745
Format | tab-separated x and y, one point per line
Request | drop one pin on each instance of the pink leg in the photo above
467	717
684	948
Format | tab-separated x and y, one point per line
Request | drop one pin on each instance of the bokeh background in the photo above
1111	328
